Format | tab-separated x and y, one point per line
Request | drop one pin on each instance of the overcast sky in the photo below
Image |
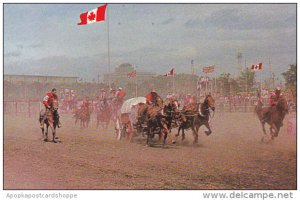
44	39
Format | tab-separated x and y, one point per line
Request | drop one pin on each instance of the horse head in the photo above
258	106
54	105
282	105
159	102
175	104
210	102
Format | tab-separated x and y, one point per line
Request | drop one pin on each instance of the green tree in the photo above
246	80
223	83
290	77
124	68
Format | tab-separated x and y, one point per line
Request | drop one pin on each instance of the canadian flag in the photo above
92	16
170	73
131	74
256	67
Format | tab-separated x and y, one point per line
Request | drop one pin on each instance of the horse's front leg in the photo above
166	132
43	130
54	134
177	134
165	137
274	131
183	134
195	134
46	133
263	127
208	127
129	131
52	126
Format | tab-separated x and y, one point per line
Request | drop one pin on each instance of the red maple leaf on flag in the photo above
92	16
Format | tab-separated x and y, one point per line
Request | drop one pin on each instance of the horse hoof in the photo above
195	142
207	133
174	142
46	140
54	141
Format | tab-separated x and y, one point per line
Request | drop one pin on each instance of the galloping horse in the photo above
197	114
152	116
174	117
51	120
104	113
83	115
275	118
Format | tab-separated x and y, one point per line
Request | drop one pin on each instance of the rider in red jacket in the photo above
151	97
274	97
120	96
47	101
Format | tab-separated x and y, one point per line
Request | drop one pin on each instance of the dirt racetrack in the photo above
233	157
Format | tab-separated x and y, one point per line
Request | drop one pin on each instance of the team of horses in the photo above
160	118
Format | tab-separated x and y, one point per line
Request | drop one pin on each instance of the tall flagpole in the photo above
108	48
173	84
260	71
246	77
136	86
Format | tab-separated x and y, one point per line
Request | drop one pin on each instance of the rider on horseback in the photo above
102	94
47	101
85	104
120	95
273	100
151	97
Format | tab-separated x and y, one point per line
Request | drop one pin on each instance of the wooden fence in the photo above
32	108
24	108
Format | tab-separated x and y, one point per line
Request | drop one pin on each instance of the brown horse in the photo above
152	121
196	115
51	120
104	113
83	115
275	116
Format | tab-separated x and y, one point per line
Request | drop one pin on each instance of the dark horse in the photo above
196	115
275	116
51	120
151	118
172	113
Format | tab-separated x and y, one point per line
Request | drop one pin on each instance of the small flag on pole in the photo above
257	67
209	69
95	15
131	74
170	73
